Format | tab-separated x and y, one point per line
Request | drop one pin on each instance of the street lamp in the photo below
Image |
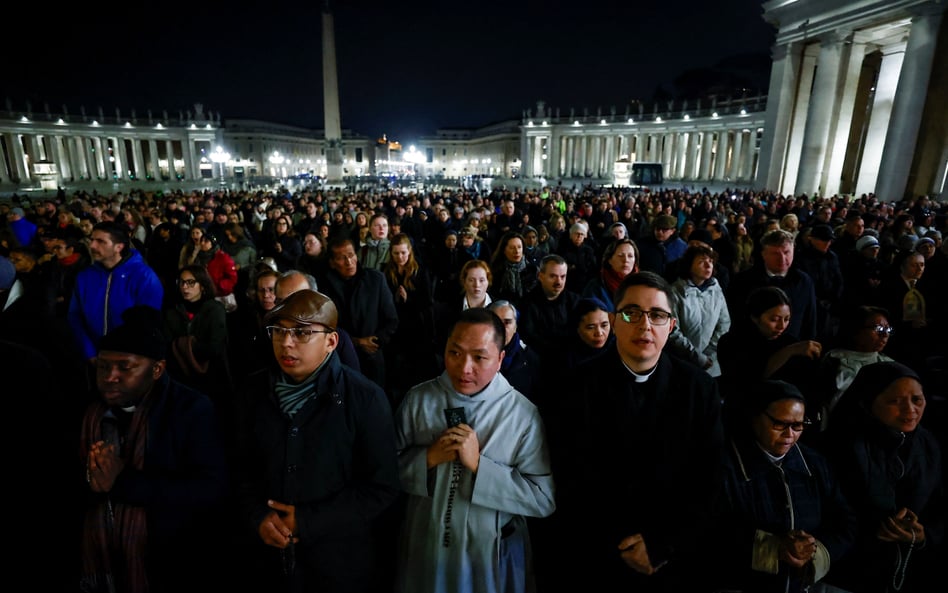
276	160
220	157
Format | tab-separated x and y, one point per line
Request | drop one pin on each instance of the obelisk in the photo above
332	121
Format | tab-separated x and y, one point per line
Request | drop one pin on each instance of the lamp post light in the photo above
220	157
276	162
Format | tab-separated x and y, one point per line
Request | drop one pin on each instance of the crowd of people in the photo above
494	392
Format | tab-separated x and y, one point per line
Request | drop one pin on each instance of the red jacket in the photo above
223	272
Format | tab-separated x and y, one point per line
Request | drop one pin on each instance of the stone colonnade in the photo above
103	152
847	98
709	147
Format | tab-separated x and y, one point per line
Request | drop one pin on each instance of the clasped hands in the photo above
797	548
903	526
456	443
103	466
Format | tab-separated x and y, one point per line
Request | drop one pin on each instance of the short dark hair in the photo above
552	258
117	233
692	253
647	279
483	316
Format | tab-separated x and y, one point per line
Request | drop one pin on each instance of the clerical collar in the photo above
640	377
772	275
773	458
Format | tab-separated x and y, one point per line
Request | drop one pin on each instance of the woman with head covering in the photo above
758	347
783	520
890	466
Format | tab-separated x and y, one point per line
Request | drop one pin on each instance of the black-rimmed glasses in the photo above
882	330
301	335
189	282
655	316
780	425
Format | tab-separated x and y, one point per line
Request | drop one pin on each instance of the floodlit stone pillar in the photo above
18	156
60	157
720	156
736	161
138	159
707	139
901	138
886	86
853	56
583	159
795	140
784	77
811	175
681	144
691	171
153	154
169	153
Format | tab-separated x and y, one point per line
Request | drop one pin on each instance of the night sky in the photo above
405	68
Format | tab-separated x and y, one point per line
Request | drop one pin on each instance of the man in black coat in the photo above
318	466
366	306
775	269
636	436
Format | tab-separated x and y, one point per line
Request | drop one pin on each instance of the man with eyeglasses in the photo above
636	436
317	465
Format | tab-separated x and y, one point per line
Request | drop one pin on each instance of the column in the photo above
798	125
153	158
123	157
886	86
610	161
780	95
61	158
524	153
17	157
853	56
720	156
138	159
811	175
169	150
707	139
624	145
553	167
901	138
750	151
78	155
583	155
692	164
640	152
191	159
681	144
668	140
92	163
36	153
736	161
570	156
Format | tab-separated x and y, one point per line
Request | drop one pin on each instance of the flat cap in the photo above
306	307
666	221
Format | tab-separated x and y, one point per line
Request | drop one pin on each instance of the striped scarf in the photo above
114	535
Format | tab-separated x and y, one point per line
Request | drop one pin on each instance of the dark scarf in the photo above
293	396
114	539
510	280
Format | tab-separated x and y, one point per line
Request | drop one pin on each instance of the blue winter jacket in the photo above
101	296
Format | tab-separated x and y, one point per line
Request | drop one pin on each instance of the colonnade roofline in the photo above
198	119
683	110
